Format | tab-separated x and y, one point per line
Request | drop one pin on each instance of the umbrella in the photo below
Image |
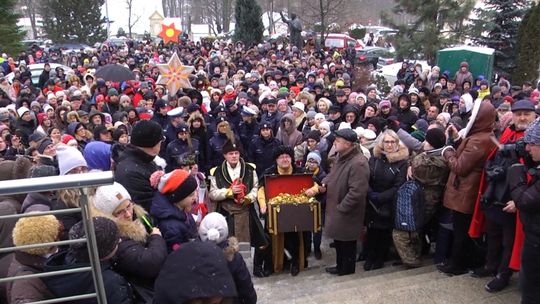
114	72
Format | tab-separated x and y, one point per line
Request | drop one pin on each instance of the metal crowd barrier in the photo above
41	184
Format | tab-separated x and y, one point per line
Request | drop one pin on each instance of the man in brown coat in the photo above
473	145
347	186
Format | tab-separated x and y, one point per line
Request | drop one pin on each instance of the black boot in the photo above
498	283
258	260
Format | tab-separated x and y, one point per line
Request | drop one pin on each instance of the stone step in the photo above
317	281
424	285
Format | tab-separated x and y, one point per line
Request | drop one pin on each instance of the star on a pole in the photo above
169	33
174	75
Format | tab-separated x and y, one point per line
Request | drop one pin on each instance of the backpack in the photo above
410	200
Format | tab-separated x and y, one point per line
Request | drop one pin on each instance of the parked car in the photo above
72	47
389	72
36	69
375	56
341	41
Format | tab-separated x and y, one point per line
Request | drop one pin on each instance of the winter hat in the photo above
300	106
34	230
68	140
109	197
230	146
325	125
112	92
43	145
315	156
532	134
69	158
101	129
41	117
35	103
344	125
15	169
107	237
35	137
315	135
213	228
177	185
505	120
319	116
385	103
42	171
146	133
98	155
421	125
210	278
280	150
508	99
436	138
347	134
22	110
311	114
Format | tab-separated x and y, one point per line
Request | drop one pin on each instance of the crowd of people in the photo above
442	164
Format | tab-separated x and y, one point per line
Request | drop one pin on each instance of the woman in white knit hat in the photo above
142	250
213	228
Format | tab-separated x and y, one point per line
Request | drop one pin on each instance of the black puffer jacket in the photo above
240	272
527	198
140	256
133	172
406	118
117	289
177	149
387	173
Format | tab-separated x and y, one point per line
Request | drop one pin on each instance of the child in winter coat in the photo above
171	206
214	228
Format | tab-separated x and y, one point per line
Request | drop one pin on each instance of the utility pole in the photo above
108	20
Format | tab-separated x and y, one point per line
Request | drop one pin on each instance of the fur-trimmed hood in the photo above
309	97
133	230
230	247
401	154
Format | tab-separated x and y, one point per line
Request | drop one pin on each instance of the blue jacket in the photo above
177	227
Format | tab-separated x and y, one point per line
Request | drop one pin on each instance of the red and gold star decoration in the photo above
174	75
169	33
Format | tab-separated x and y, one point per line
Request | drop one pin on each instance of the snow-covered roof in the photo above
476	49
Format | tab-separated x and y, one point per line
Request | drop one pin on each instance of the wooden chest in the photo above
295	216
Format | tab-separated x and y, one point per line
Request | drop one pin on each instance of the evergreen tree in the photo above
249	27
528	49
496	27
74	20
435	25
10	34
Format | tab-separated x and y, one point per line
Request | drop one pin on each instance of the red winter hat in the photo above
67	138
509	99
41	117
177	185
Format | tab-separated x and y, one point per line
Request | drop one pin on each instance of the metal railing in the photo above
52	183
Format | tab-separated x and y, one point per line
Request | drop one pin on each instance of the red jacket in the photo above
477	227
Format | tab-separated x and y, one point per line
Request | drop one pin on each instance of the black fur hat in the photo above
283	150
